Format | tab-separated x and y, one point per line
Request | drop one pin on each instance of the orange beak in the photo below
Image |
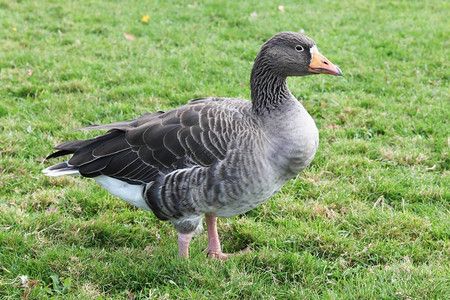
320	64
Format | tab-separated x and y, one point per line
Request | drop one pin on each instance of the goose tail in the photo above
60	169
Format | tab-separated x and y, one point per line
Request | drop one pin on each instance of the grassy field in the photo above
369	219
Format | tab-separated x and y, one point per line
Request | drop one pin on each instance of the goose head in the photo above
294	54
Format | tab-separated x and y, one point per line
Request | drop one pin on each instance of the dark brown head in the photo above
294	54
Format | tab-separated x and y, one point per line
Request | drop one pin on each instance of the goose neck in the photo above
268	89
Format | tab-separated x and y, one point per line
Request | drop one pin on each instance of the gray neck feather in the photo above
268	89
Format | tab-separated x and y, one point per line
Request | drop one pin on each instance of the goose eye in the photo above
299	48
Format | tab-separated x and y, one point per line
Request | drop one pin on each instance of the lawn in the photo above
369	219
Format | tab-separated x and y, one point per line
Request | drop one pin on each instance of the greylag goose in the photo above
217	157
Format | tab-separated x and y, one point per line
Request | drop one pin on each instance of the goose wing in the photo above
139	150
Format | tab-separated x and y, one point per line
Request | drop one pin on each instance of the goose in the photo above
212	157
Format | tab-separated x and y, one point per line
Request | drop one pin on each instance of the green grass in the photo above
369	219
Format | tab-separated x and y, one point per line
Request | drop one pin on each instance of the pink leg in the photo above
183	244
214	250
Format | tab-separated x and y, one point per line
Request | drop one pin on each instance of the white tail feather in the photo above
131	193
59	172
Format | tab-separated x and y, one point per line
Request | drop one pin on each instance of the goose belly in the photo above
254	182
246	202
